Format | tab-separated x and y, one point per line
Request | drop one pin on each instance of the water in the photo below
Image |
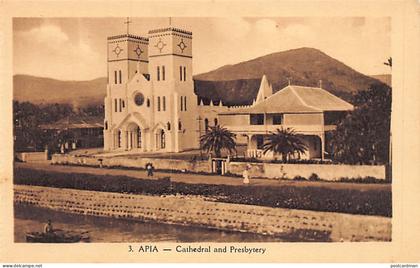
30	219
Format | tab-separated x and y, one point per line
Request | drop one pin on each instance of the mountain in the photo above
238	83
40	90
233	84
384	78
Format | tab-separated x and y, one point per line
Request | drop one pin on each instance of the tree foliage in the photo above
285	142
363	135
218	139
389	62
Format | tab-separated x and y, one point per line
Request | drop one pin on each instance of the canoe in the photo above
57	236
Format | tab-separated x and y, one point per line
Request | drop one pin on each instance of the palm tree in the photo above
217	139
284	142
389	62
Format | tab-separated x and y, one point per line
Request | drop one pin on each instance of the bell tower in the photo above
170	68
127	54
124	52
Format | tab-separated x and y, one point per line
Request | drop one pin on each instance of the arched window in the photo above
215	122
119	139
179	125
163	73
148	102
168	126
206	124
138	137
164	103
162	139
106	125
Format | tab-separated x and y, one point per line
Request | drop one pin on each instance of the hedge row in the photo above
368	202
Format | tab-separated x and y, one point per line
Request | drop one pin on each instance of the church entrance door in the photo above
134	139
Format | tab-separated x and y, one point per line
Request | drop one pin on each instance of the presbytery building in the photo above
150	105
309	111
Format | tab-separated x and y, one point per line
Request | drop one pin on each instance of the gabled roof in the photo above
322	99
73	122
297	99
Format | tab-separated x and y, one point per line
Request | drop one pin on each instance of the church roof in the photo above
170	29
128	36
74	122
265	90
297	99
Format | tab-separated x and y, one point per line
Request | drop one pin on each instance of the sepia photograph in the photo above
202	129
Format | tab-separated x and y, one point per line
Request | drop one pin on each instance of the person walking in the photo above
149	168
245	175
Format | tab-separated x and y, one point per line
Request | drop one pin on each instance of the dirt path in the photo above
204	179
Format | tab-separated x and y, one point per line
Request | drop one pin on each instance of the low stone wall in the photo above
32	156
258	170
158	163
291	224
324	171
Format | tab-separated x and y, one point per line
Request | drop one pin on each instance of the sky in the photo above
75	48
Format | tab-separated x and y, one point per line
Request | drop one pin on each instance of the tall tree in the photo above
218	139
285	142
363	135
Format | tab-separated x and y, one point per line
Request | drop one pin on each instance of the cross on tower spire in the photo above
128	21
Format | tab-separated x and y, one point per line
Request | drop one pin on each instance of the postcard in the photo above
259	131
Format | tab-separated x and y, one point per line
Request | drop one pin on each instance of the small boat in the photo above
57	236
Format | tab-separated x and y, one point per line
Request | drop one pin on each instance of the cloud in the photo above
49	51
46	34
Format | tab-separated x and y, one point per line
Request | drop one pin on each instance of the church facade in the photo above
150	104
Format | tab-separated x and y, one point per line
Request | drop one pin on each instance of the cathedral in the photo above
150	105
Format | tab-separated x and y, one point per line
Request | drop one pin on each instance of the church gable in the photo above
140	79
133	118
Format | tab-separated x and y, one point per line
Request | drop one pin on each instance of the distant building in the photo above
75	132
151	106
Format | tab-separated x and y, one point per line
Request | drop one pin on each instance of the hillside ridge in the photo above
234	84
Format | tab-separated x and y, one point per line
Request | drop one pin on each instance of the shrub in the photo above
299	178
367	202
367	179
314	177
